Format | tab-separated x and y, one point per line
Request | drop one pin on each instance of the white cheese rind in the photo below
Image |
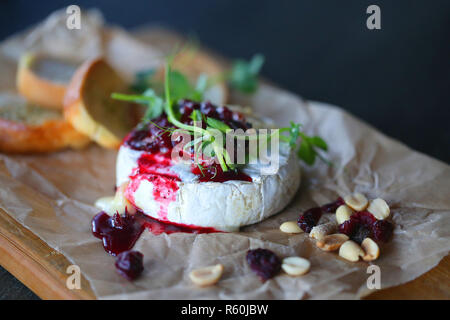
224	206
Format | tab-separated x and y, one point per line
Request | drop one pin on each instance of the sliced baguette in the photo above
26	128
43	80
88	105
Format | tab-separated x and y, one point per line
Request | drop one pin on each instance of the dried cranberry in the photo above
332	206
348	227
361	233
364	225
309	219
382	230
264	263
364	218
129	264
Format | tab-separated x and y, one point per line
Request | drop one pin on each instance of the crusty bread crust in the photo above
52	135
37	90
88	97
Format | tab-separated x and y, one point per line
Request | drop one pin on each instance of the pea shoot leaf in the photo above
306	152
244	75
217	124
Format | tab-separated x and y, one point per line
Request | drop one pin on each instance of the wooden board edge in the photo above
44	278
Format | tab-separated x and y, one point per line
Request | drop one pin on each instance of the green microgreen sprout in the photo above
244	77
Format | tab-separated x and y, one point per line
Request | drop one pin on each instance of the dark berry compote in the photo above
155	137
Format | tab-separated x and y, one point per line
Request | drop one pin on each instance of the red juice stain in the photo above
158	227
164	192
120	233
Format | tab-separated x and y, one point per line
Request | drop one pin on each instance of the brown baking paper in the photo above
52	195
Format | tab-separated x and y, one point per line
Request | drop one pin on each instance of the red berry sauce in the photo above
120	233
155	139
215	173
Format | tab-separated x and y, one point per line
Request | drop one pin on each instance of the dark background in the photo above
396	78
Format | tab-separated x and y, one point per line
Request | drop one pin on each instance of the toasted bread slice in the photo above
43	79
88	105
26	128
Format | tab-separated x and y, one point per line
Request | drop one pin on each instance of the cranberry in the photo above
348	227
118	233
364	218
129	264
309	219
225	113
364	225
264	263
361	233
154	137
208	109
382	230
359	226
332	206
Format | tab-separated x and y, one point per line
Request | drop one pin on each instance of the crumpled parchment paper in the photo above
52	195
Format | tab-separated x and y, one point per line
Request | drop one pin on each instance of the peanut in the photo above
371	249
295	266
351	251
379	208
356	201
206	276
332	242
343	213
320	231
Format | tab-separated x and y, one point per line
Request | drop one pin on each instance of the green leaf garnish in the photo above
149	98
179	86
306	152
143	80
217	124
318	142
244	75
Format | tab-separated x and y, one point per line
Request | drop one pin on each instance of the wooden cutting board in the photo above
43	270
